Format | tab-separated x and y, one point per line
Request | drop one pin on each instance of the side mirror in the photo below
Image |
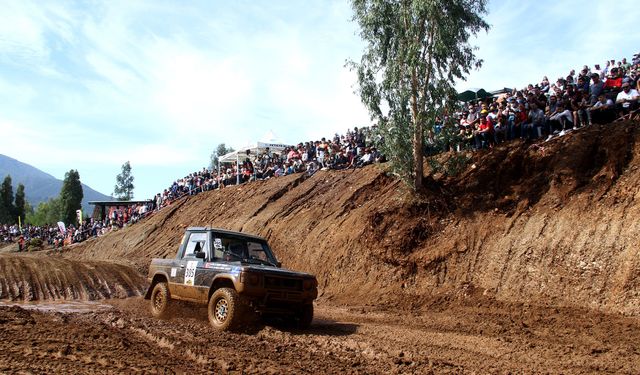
200	254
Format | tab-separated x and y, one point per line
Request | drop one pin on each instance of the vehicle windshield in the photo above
246	249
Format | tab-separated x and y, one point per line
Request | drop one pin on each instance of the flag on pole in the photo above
62	228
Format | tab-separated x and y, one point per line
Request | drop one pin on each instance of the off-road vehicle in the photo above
236	275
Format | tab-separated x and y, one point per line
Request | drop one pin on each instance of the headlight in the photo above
250	278
253	279
309	284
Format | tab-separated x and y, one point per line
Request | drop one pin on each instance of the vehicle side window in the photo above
197	241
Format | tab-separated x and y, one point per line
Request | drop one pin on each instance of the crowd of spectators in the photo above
46	234
594	95
119	216
354	149
56	236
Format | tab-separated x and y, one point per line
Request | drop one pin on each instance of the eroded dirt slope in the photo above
553	225
40	277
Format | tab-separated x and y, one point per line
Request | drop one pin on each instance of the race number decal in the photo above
173	272
190	272
217	243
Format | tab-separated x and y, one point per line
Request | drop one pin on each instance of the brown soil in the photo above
39	277
526	262
554	224
462	339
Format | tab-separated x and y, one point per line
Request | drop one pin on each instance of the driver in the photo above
238	249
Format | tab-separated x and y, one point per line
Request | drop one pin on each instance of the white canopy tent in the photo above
254	148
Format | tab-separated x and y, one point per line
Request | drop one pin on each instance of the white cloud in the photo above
21	34
529	40
161	82
197	93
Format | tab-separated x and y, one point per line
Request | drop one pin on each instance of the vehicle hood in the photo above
280	271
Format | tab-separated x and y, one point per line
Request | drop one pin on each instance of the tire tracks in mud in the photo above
460	339
40	277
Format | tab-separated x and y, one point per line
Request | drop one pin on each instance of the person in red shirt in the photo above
484	132
614	83
515	119
21	243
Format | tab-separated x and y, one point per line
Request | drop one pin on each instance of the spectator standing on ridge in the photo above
21	243
158	201
320	152
597	70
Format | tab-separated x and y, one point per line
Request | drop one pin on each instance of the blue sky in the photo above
90	85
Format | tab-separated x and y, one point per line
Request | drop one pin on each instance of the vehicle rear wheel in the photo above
225	309
160	300
305	316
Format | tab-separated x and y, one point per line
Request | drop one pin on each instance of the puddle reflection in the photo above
60	306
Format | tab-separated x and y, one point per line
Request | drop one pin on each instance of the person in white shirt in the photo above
562	116
627	100
597	70
602	112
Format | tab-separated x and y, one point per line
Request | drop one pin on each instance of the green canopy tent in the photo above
473	94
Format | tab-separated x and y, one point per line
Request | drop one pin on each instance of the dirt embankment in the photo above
553	225
41	277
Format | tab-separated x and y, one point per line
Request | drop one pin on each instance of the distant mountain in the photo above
40	186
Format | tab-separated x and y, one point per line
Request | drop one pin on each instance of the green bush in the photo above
35	244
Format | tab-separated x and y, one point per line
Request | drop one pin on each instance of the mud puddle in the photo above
60	306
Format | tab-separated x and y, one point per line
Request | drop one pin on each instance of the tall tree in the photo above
124	183
7	209
46	213
221	150
415	50
20	207
70	196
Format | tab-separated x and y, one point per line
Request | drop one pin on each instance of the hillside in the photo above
40	186
554	225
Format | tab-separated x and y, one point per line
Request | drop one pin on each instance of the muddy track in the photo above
527	262
464	338
42	277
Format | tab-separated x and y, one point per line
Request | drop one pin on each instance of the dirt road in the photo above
463	338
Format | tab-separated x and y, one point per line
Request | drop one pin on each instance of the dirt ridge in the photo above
41	277
553	223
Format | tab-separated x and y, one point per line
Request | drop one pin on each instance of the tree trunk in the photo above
417	155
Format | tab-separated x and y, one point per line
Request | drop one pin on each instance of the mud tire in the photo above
225	310
160	300
304	316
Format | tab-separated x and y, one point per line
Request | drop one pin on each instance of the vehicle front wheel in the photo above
225	309
305	316
160	300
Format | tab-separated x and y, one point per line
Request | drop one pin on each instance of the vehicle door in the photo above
189	265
